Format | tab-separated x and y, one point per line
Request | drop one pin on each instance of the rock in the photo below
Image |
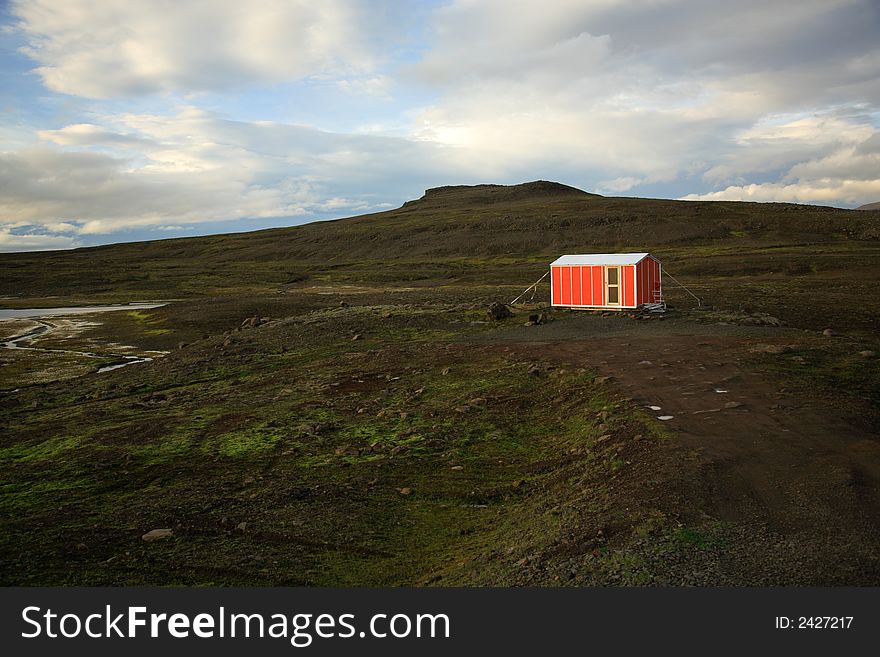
534	370
457	467
343	304
829	333
356	336
601	379
867	353
645	362
462	409
733	404
251	322
242	526
156	534
444	371
182	345
498	311
406	490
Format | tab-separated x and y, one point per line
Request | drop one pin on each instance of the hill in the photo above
869	206
443	236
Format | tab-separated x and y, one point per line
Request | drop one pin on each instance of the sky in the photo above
125	120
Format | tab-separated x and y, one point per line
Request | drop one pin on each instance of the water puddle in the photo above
38	313
25	340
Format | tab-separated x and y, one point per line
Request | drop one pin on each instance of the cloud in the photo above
117	48
194	166
161	126
629	94
824	159
831	192
35	241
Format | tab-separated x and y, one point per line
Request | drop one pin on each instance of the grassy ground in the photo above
378	429
292	454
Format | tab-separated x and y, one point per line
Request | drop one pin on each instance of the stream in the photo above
37	315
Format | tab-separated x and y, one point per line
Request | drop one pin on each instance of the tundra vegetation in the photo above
335	407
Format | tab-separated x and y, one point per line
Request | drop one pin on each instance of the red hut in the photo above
610	281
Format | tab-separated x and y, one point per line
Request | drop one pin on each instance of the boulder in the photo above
498	311
157	534
251	322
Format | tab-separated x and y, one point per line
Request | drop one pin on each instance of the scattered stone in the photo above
242	526
601	379
733	404
251	322
645	362
829	333
343	304
867	353
457	467
157	534
709	410
462	409
498	311
655	408
665	417
444	371
356	336
406	490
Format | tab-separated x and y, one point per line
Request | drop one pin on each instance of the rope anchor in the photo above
533	287
684	287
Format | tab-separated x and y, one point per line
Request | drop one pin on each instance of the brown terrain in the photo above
331	404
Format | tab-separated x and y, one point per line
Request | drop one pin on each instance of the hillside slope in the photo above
533	221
